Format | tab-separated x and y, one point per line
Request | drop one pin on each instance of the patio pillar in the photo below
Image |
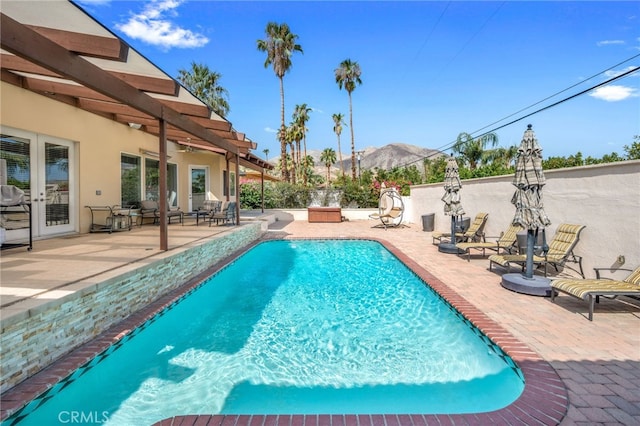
237	186
262	189
162	187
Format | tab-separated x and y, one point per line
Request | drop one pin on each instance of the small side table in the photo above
198	214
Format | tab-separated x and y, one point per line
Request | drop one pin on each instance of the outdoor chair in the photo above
390	208
149	209
207	209
226	215
591	289
475	232
560	251
505	243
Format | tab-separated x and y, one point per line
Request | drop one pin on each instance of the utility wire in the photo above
556	94
451	144
426	39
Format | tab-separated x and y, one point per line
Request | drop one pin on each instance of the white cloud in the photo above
270	130
611	73
154	27
608	42
613	93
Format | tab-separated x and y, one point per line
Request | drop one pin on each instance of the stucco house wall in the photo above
99	144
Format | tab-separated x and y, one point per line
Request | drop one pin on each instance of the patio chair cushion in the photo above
474	233
591	289
560	251
506	242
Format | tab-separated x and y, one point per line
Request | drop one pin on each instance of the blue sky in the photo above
430	69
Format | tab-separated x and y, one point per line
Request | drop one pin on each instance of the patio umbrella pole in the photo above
529	180
452	206
531	238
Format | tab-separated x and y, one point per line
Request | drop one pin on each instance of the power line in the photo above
424	43
451	144
556	94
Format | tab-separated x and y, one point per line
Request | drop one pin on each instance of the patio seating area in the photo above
599	364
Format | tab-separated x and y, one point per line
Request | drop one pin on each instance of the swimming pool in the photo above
292	327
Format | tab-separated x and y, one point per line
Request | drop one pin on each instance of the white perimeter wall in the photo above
605	198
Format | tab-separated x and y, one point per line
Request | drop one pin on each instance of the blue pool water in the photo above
293	327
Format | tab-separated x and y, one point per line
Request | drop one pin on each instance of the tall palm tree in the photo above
290	136
348	76
328	157
266	153
280	44
294	136
472	150
338	122
301	116
205	85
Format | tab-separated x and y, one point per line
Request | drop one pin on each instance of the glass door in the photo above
198	186
43	167
56	204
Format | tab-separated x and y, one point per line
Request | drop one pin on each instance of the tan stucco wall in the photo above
605	198
100	142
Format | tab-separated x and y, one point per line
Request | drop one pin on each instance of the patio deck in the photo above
598	361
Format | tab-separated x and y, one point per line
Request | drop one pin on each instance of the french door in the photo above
44	167
198	186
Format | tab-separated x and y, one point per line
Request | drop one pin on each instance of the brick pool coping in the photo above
544	399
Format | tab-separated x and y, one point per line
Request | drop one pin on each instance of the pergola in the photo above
58	51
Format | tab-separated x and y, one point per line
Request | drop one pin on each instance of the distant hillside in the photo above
386	157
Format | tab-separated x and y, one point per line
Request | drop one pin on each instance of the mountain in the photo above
386	158
392	155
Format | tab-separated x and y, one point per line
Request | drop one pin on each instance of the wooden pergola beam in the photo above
27	43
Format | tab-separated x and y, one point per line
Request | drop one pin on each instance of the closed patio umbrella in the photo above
451	199
529	180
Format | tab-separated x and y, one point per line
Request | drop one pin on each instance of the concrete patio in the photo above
598	361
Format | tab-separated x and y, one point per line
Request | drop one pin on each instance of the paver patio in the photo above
599	361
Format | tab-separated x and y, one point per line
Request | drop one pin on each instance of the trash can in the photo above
427	222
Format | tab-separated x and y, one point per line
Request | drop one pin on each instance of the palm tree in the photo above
280	44
348	76
328	157
205	85
472	150
338	120
266	153
300	117
307	164
290	139
503	156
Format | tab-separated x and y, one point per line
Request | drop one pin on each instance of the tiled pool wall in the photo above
32	341
543	401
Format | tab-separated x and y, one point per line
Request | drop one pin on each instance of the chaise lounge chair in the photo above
560	251
390	208
506	243
591	289
474	233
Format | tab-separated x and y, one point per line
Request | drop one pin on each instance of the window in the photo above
130	180
151	180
